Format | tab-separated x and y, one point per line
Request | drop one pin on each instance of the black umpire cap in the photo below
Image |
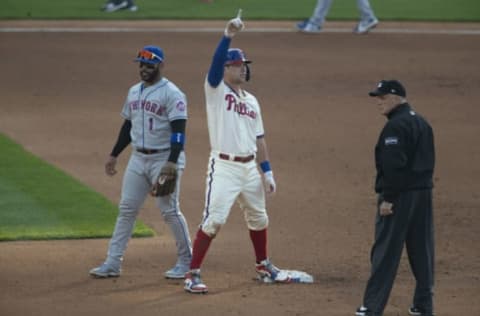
388	87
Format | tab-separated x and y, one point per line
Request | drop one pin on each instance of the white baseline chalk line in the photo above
216	30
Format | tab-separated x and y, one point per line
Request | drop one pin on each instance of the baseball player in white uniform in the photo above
155	114
237	141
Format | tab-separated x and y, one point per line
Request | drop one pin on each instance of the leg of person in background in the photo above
368	20
315	23
131	6
116	5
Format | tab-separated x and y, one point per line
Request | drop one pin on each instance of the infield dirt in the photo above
61	98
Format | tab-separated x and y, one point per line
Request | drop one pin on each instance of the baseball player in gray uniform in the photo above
155	114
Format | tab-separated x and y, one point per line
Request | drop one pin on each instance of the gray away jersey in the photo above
151	110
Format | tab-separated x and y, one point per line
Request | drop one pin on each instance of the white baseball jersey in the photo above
151	109
234	121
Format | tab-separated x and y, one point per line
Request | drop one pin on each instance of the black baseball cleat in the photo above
363	311
416	311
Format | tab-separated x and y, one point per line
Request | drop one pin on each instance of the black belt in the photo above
244	159
147	151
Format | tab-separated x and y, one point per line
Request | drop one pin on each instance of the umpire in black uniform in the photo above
404	160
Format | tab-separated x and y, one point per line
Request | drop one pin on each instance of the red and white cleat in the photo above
193	282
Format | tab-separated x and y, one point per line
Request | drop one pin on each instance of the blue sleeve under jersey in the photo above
215	74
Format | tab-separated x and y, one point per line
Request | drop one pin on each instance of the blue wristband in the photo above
265	165
177	138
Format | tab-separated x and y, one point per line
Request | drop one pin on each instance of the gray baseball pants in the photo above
141	172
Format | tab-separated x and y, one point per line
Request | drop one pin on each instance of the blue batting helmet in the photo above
236	56
150	55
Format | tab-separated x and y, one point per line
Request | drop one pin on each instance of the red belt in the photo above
236	158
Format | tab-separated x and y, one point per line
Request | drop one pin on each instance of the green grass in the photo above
423	10
38	201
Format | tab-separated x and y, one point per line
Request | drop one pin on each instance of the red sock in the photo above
200	248
259	240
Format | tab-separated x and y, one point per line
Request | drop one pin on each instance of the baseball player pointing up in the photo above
155	114
237	142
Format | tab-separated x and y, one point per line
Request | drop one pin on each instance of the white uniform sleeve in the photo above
214	95
259	128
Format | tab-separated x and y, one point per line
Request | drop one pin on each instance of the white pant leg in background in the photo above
323	7
366	12
320	12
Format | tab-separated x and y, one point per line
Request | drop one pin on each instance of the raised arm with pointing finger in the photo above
238	151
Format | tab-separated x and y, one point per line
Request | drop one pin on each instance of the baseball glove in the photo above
166	181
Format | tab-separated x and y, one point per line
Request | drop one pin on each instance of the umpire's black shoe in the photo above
416	311
363	311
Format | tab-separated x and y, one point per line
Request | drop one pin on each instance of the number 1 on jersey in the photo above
150	123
